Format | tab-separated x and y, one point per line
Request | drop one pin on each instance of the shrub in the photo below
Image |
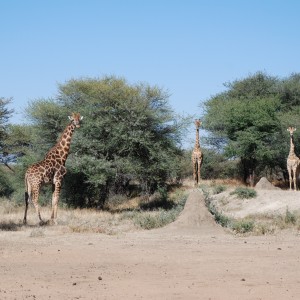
244	193
6	188
243	226
290	218
220	218
156	219
219	189
159	217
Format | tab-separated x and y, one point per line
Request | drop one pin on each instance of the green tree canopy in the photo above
5	114
251	124
129	134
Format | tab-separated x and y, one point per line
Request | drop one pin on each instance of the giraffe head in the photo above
75	119
198	123
291	130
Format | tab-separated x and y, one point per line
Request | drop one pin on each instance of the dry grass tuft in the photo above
121	215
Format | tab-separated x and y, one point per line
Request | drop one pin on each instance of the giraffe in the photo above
293	161
197	155
50	170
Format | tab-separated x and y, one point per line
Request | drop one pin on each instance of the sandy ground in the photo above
270	201
192	258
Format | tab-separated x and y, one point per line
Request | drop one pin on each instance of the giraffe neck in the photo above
292	146
61	150
197	143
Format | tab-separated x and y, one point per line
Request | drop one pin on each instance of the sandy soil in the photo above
192	258
270	200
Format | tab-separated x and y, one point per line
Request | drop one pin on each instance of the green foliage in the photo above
243	226
244	193
252	123
215	165
5	114
18	139
290	218
129	134
220	218
6	188
184	163
161	216
49	119
219	189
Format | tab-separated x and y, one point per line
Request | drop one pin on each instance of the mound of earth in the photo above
195	216
265	184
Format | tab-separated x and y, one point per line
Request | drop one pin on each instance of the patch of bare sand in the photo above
190	259
270	200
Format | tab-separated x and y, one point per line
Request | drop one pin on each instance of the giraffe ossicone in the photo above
50	170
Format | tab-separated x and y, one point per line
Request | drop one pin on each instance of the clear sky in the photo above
189	47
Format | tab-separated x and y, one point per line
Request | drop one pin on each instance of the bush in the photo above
290	218
243	226
6	188
219	189
155	218
244	193
220	218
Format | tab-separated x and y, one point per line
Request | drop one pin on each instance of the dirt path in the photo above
193	258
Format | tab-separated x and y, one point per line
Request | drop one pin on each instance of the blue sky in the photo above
189	48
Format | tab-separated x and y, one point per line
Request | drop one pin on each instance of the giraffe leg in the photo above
57	181
199	170
55	199
290	177
295	179
195	173
35	198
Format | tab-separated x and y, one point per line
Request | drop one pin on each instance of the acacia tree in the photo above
129	135
5	157
251	124
5	114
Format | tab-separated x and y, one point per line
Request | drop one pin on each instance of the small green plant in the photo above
220	218
150	220
156	216
219	189
244	192
290	218
115	201
243	226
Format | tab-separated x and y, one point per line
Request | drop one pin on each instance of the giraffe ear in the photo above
81	118
70	118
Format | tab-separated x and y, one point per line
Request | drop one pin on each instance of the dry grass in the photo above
122	216
72	220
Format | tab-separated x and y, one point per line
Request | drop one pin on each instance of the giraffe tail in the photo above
26	197
27	189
